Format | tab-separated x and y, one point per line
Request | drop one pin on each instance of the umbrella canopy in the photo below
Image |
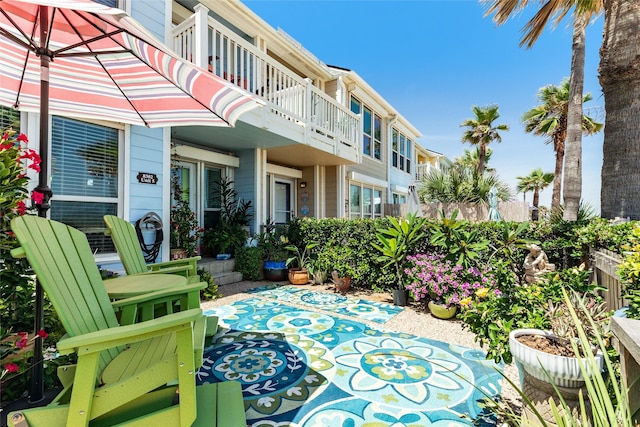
105	66
80	59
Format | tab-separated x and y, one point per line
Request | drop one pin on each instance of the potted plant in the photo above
232	229
224	239
340	261
272	241
184	228
546	358
300	275
445	285
396	242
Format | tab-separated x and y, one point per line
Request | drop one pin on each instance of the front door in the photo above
283	209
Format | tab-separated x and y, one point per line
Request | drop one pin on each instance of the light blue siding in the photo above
150	13
145	156
245	176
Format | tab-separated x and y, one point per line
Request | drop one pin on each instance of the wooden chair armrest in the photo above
178	290
185	261
171	269
122	335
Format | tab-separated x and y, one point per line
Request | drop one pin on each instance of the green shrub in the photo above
211	291
249	262
493	316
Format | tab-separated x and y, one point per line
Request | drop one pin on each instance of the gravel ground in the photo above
415	319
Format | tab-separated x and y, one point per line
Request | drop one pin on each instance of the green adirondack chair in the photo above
125	375
125	238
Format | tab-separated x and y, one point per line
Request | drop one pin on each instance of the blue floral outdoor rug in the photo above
378	312
308	369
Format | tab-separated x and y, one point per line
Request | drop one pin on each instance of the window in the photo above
371	128
212	178
408	156
364	201
377	137
401	149
354	201
85	177
394	142
9	118
399	198
110	3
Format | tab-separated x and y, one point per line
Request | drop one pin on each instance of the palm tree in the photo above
471	158
461	184
584	9
536	181
550	119
481	131
620	81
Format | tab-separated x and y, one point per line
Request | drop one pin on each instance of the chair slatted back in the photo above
125	238
64	265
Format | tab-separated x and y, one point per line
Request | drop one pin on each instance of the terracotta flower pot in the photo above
342	284
298	276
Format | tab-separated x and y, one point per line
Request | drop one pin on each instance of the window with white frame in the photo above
401	149
85	177
364	201
399	198
9	118
372	129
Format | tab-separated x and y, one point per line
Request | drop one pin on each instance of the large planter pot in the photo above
298	276
564	372
400	297
342	284
441	311
275	271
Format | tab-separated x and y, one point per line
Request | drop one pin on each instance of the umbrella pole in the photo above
37	367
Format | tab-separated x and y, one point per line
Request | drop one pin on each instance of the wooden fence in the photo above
605	263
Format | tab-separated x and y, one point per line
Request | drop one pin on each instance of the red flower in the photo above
21	207
22	137
37	197
43	334
11	367
23	334
22	343
6	146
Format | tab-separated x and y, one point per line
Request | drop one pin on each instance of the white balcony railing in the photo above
422	170
209	44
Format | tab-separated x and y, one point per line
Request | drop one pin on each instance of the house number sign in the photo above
147	178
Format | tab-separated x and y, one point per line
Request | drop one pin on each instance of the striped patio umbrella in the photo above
80	59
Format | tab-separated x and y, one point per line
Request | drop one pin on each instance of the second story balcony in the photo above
290	100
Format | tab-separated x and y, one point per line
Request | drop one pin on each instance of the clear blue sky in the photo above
434	60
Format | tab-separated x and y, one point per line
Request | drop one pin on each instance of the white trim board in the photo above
284	171
366	179
193	153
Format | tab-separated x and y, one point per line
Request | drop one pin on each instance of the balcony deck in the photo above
327	125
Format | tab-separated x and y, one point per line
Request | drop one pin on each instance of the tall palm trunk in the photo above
620	80
482	155
557	173
572	188
536	201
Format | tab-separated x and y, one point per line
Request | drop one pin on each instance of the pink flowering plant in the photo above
431	276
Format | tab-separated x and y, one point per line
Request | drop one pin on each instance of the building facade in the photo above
324	144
